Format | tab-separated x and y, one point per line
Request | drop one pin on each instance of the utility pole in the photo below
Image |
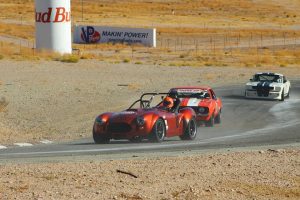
82	10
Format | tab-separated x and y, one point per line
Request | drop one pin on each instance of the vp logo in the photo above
89	35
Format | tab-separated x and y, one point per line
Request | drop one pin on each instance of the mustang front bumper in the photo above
255	94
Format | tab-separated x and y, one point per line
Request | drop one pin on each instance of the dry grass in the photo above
69	58
3	104
190	33
16	30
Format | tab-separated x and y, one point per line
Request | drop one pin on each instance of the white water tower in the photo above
53	25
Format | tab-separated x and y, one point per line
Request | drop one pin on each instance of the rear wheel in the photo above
211	121
100	139
190	131
288	94
158	132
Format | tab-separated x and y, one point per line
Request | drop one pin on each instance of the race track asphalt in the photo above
245	123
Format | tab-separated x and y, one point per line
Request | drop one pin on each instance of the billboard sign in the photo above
103	34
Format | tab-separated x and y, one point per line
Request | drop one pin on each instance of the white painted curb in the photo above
23	144
46	142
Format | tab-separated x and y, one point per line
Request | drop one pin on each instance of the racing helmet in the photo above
168	102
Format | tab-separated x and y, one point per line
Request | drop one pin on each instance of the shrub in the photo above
126	60
282	65
3	104
69	58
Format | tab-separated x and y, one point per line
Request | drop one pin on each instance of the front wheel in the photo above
211	121
158	131
100	139
288	94
190	131
282	96
218	118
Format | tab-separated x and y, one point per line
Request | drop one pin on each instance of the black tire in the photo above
100	139
158	131
218	118
211	121
282	96
190	131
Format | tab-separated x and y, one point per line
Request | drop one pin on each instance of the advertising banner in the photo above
103	34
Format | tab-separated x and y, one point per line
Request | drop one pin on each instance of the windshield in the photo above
147	101
189	93
266	77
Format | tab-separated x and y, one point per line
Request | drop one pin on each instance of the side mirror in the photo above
162	97
250	79
284	81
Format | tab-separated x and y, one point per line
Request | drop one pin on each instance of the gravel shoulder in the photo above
58	101
251	174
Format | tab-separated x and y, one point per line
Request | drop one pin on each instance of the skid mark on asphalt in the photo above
286	112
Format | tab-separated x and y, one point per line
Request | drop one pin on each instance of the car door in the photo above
173	123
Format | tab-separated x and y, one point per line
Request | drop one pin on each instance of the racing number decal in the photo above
166	122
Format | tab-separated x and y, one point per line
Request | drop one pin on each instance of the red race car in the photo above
203	100
142	121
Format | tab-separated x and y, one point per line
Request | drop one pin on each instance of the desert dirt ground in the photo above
57	101
256	174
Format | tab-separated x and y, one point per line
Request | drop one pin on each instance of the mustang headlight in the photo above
249	87
202	110
276	89
140	120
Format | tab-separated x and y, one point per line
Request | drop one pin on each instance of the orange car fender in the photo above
218	107
188	114
212	108
105	116
151	119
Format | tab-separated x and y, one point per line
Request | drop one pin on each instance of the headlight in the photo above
248	87
99	121
277	89
202	110
140	120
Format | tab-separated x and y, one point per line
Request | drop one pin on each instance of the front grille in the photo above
263	91
119	128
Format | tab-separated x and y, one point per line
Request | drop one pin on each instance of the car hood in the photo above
129	115
124	116
264	84
195	102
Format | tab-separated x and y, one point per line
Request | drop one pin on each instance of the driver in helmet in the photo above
167	103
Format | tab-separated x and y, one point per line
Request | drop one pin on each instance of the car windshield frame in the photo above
191	93
266	77
146	99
